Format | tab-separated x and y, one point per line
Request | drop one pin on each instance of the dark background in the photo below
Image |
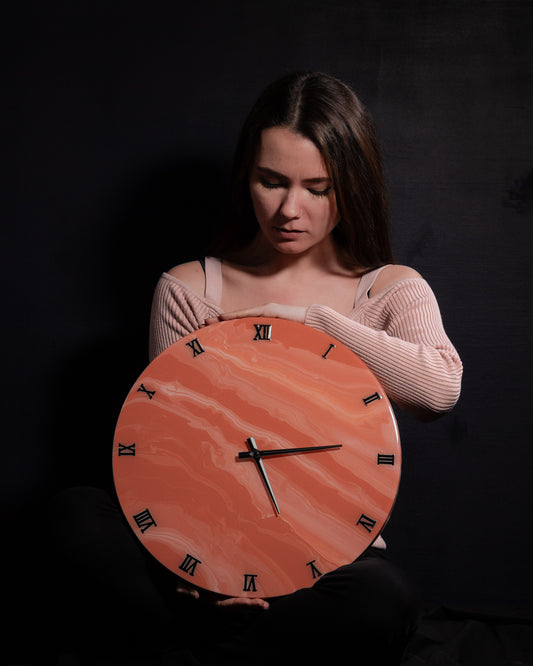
119	122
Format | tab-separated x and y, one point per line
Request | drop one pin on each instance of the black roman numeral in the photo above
371	398
144	520
263	331
366	522
126	449
332	346
196	347
385	459
249	583
189	564
314	570
142	389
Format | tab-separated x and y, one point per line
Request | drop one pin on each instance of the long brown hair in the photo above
328	113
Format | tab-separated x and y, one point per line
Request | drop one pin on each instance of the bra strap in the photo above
213	280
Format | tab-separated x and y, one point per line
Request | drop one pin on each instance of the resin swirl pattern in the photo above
206	514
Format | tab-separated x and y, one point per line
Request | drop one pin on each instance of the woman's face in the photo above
292	192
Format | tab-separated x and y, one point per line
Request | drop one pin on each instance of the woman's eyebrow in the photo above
275	174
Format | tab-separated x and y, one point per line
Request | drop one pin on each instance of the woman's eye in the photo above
321	193
268	184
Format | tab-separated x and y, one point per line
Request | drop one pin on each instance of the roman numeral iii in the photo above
385	459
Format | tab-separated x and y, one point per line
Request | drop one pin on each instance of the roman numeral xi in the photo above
196	347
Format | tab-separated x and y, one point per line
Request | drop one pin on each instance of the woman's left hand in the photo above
273	310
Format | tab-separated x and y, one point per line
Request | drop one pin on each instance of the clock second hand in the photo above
255	454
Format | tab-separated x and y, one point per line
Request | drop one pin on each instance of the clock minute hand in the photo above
280	452
255	454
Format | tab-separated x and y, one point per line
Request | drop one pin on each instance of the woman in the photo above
308	241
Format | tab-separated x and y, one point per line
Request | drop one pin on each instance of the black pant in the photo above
115	597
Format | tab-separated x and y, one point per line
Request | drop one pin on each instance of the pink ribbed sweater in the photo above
398	333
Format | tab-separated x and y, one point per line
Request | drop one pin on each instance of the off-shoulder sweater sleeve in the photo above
176	312
399	334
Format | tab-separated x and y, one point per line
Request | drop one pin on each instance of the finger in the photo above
188	592
241	601
262	311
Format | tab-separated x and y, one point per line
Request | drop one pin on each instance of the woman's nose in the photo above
291	204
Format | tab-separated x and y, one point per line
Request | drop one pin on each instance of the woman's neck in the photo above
261	258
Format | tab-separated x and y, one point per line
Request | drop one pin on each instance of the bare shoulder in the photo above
390	275
191	274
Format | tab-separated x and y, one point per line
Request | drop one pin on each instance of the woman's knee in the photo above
374	594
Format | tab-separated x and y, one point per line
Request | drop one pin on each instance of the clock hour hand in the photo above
255	454
280	452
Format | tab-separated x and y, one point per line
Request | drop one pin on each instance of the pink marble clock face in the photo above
205	467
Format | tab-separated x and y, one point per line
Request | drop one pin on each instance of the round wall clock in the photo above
254	455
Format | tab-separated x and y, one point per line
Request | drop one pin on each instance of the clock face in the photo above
255	455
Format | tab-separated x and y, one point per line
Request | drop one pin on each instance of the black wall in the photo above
119	122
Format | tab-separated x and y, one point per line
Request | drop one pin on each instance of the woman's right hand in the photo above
230	602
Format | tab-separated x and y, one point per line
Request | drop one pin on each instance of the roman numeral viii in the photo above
144	520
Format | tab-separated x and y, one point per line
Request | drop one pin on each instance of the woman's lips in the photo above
288	232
